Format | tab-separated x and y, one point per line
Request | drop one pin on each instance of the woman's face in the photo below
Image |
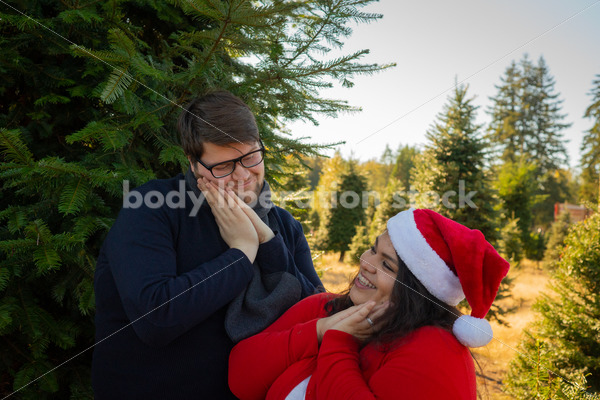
377	273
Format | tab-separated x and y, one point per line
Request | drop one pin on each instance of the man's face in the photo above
242	180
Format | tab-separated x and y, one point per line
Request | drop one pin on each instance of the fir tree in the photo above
527	124
392	203
324	195
348	213
387	157
361	242
378	174
567	325
517	187
454	158
94	104
295	196
509	244
543	384
315	165
405	161
547	145
553	187
526	116
590	149
556	237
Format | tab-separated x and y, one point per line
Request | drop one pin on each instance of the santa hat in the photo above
452	262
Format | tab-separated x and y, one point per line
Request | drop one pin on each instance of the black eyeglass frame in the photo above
235	161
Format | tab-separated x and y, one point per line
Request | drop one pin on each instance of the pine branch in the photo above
117	83
73	197
14	148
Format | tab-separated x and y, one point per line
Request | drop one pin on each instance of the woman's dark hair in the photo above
412	307
219	118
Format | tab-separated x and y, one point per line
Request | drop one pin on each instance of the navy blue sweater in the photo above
163	282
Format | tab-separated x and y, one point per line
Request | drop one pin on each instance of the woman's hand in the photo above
264	232
324	324
235	226
353	320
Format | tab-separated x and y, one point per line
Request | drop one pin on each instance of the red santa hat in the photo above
452	262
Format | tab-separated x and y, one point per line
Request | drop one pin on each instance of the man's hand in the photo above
264	232
235	226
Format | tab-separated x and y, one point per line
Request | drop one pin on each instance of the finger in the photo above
375	315
377	318
233	209
238	200
245	207
218	194
228	196
384	306
344	313
203	188
208	191
362	312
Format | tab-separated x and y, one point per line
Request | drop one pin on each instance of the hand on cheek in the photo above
235	226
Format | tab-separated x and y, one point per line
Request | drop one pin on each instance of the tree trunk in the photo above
342	256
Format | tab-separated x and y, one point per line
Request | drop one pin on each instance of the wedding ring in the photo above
370	321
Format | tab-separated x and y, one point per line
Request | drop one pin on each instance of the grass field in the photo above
529	281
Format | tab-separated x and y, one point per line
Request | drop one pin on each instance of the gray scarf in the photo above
267	296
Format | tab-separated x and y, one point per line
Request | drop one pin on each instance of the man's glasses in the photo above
249	160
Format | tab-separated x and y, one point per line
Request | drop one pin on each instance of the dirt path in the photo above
494	358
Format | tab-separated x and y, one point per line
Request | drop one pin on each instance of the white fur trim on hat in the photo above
472	332
422	260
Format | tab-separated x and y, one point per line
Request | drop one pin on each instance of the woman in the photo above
396	334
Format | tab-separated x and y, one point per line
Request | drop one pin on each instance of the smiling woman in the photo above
377	275
395	331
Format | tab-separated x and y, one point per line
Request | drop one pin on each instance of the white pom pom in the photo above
472	332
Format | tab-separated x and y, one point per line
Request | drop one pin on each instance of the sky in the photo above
434	42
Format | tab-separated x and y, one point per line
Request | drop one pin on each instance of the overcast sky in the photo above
434	41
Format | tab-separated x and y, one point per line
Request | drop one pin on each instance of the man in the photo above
178	284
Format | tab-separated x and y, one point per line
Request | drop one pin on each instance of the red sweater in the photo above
428	364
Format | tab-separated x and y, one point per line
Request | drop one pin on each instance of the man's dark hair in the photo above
219	118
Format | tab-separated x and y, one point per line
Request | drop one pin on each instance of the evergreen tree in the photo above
506	129
378	174
453	161
553	187
392	203
527	124
536	246
517	187
567	327
315	165
295	196
361	242
590	149
91	101
556	237
526	117
405	161
509	244
331	172
387	157
543	384
348	213
547	145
